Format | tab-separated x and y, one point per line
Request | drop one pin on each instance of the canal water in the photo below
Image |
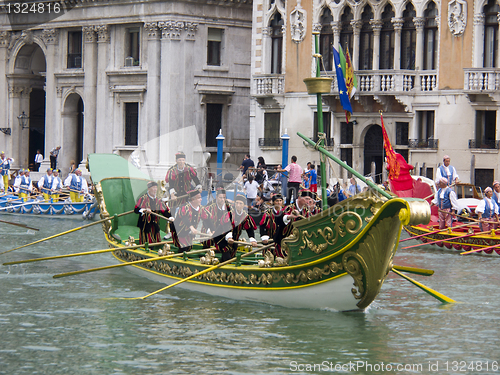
67	326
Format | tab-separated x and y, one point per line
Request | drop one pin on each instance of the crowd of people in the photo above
50	186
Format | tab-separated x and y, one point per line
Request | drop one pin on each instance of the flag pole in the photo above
319	111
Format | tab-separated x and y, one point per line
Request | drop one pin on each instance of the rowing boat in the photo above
11	204
337	259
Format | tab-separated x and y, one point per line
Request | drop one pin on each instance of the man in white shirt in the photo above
445	199
45	184
77	186
447	171
487	211
56	185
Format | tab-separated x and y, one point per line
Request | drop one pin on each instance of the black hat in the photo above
152	183
241	197
193	193
180	155
307	193
277	196
220	191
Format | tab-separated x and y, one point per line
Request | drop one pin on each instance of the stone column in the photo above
89	90
478	55
356	27
419	53
150	131
103	109
376	27
337	28
266	49
4	116
19	101
398	25
53	128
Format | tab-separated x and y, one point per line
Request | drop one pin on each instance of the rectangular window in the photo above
408	44
403	153
214	47
387	50
272	126
486	129
430	51
214	123
483	177
402	133
327	116
346	156
490	45
74	50
326	50
131	124
425	125
366	51
346	133
132	46
429	173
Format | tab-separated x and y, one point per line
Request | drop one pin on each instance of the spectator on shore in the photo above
53	157
38	160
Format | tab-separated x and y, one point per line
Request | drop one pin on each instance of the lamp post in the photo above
23	120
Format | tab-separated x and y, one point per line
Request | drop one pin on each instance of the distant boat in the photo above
11	204
337	259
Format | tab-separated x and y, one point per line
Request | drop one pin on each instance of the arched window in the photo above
346	34
326	39
387	39
276	43
430	37
366	40
490	33
408	38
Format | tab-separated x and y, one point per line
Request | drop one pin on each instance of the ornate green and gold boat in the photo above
337	259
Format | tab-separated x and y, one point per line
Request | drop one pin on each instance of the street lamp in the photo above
23	120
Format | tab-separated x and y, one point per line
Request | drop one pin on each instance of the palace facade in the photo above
431	67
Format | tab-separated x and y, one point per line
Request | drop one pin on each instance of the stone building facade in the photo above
123	76
431	67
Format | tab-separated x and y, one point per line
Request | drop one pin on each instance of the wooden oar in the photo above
129	263
437	231
69	231
437	295
19	225
23	204
471	219
83	253
417	271
478	250
446	239
202	272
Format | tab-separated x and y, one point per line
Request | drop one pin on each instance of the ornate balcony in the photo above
269	84
489	144
482	79
423	143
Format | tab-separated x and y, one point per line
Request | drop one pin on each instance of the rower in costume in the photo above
240	221
179	178
487	211
77	186
45	184
149	228
186	221
446	171
4	172
17	180
56	187
446	200
291	213
25	186
268	223
216	225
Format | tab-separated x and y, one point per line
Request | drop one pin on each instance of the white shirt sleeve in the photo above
454	201
438	175
67	181
481	206
85	186
40	182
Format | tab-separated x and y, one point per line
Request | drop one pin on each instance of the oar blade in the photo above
417	271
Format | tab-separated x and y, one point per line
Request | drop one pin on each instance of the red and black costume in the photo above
149	228
239	221
179	180
218	224
284	226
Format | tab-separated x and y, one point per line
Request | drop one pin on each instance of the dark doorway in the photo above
373	152
79	140
37	124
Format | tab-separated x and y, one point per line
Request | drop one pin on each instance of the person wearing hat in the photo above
447	171
56	187
180	178
26	186
18	179
496	192
187	220
148	224
445	199
291	213
45	184
487	211
5	163
239	220
77	186
217	223
267	224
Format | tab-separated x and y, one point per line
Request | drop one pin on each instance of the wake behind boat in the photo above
337	259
